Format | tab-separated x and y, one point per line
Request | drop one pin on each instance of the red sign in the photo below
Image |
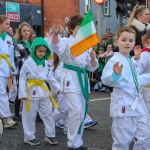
99	1
13	16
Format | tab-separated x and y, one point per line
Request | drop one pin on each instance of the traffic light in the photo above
130	5
121	7
141	2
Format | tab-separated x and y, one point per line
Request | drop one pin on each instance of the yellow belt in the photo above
4	56
50	58
148	86
41	84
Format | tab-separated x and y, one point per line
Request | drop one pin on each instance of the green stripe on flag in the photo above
88	18
84	32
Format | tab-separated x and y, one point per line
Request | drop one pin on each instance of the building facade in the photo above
42	14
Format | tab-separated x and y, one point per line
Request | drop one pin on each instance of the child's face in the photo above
25	32
103	41
74	31
40	51
5	25
109	48
126	43
100	51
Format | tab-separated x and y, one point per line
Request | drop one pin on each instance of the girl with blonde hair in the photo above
138	21
24	37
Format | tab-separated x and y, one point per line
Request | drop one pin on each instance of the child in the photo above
24	37
70	82
143	60
35	94
61	98
127	108
7	67
108	53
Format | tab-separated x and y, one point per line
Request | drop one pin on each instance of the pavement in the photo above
97	137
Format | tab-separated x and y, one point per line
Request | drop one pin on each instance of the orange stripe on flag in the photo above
84	45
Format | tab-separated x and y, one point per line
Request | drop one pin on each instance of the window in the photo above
107	7
87	5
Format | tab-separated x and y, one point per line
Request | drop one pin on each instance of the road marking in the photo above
100	99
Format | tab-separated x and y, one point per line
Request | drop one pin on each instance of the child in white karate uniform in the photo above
35	93
70	84
127	108
7	67
142	57
61	98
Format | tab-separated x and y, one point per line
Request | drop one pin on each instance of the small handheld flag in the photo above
86	36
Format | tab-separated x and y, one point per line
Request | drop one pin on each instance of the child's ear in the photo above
148	41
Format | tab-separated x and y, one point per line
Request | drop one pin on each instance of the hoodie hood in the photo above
39	41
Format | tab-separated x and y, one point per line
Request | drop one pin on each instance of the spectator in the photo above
109	40
24	37
139	22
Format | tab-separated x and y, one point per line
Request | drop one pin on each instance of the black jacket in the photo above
140	30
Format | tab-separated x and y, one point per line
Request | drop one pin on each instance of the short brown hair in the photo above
74	21
146	37
125	29
3	18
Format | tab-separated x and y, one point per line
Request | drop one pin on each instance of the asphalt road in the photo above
97	138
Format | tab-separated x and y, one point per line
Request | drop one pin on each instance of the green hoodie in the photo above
39	41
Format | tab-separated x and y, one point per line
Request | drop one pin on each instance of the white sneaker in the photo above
32	142
60	125
8	122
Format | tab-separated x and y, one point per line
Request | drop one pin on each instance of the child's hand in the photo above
24	98
137	52
56	28
117	68
11	76
93	55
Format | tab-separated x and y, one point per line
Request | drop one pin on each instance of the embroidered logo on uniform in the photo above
8	42
67	83
123	109
34	91
49	65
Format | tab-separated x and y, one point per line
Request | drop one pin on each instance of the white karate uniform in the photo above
144	65
6	47
71	86
40	98
61	100
128	121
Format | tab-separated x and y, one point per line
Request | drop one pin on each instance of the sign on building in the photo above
13	11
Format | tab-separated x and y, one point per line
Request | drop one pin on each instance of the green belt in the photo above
84	89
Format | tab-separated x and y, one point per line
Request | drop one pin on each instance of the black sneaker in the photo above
82	147
32	142
51	140
11	103
17	118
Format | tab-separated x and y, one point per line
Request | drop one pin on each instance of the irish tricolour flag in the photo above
86	36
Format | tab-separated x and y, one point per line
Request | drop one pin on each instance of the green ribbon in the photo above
84	89
134	73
